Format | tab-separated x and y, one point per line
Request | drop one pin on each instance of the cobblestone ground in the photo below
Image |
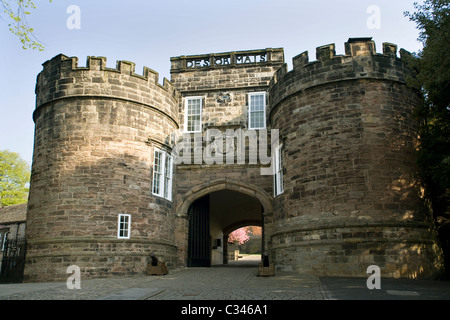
232	282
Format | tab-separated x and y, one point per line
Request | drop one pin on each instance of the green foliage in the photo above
433	80
14	177
432	65
16	12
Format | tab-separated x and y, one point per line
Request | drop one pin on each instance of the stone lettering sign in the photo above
208	61
244	59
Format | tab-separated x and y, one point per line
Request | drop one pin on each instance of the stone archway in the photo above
232	204
224	184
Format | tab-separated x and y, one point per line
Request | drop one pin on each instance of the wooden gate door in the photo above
199	241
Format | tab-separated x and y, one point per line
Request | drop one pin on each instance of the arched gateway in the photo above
214	209
123	165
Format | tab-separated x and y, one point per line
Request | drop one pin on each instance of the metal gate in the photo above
13	261
199	241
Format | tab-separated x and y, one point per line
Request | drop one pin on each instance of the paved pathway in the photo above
236	281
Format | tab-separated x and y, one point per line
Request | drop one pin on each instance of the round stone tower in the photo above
91	197
351	198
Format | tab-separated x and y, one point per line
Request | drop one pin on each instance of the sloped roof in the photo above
15	213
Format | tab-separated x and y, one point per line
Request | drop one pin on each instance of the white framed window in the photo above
257	110
278	176
158	172
193	114
162	174
168	167
124	226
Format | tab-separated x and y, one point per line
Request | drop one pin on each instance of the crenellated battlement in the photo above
62	77
94	63
361	61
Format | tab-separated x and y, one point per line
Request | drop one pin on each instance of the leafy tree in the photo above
432	65
14	177
16	12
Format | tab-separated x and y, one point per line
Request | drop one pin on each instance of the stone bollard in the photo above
265	269
156	267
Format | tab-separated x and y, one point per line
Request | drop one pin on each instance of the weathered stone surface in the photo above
93	161
349	136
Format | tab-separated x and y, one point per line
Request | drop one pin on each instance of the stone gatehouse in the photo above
322	157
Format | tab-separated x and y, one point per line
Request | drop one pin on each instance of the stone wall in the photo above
96	130
225	86
351	194
224	81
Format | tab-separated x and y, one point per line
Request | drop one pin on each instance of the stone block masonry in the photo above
351	190
96	129
225	87
223	81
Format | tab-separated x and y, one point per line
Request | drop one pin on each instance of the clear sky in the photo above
149	32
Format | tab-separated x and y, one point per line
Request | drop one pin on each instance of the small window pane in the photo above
162	175
193	114
168	178
124	224
278	177
257	112
157	172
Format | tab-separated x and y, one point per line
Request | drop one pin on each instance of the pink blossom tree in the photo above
239	236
